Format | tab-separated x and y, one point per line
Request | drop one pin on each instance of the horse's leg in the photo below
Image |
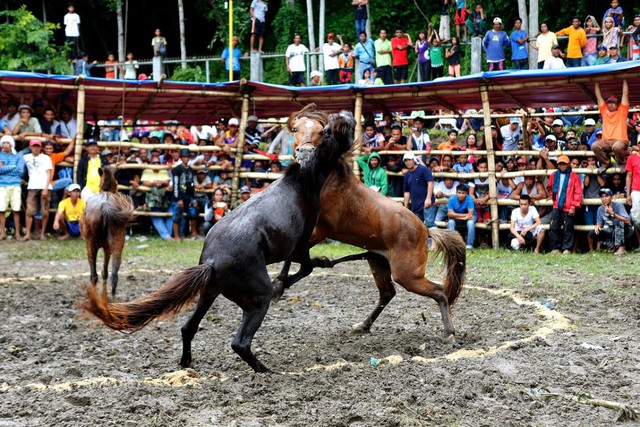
382	276
190	328
257	294
409	273
92	255
105	265
327	263
117	245
306	267
278	282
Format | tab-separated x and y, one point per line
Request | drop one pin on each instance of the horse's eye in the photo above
295	130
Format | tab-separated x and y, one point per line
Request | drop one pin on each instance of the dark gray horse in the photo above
274	226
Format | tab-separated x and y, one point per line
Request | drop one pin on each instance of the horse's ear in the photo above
100	171
309	108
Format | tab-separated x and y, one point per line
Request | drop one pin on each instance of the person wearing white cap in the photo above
231	140
557	127
316	78
418	190
588	136
511	134
11	169
69	213
253	133
494	43
40	169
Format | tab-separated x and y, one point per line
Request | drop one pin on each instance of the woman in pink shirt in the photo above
590	52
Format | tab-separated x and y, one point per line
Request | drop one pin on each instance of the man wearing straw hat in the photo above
615	139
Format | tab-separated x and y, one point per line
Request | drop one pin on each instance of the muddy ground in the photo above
57	369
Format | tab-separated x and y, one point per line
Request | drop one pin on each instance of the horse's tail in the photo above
452	247
119	211
169	299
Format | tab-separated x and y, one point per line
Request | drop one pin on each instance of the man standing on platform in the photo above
577	41
258	12
383	57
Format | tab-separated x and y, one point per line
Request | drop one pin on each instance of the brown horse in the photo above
105	223
396	240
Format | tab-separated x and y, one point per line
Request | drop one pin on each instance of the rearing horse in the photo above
396	241
104	225
273	226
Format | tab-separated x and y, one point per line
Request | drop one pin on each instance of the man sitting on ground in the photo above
613	223
461	212
69	214
525	225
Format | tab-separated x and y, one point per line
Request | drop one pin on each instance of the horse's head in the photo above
108	182
307	126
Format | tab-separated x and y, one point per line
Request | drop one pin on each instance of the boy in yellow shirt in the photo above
69	215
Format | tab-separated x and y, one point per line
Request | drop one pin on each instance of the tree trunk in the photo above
533	31
368	30
119	18
183	42
321	29
312	37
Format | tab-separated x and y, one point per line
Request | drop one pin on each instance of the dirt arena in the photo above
514	343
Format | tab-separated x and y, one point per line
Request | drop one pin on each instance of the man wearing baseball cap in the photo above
614	128
40	170
418	190
10	184
613	224
27	126
554	62
494	43
588	136
69	213
565	189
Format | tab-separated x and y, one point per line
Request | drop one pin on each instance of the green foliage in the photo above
25	44
241	21
189	74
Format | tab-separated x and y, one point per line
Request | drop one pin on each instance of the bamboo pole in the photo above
79	131
357	114
491	161
240	149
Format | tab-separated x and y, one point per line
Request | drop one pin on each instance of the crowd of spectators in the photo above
188	186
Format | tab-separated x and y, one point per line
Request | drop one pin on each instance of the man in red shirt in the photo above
633	185
614	128
399	50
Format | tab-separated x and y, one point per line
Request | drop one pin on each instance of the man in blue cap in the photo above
613	224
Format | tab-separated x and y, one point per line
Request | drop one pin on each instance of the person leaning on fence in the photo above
11	170
69	214
374	176
39	169
461	213
232	60
295	61
183	191
613	224
445	189
88	176
494	43
565	188
418	190
577	41
157	199
615	138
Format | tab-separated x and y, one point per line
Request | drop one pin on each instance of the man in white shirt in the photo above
295	60
40	169
68	125
554	62
72	30
525	225
511	134
444	189
11	118
330	52
258	12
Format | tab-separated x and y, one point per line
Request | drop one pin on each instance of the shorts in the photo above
401	72
461	16
296	78
189	209
73	227
35	196
258	27
10	197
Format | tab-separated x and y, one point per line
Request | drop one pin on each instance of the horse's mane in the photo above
311	112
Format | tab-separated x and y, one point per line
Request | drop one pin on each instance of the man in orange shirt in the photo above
48	147
614	128
577	41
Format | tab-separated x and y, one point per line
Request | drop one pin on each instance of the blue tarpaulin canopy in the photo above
199	103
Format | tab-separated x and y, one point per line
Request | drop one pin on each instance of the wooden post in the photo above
476	55
491	160
235	182
357	114
79	131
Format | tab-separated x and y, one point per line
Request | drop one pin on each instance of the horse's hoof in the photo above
360	328
449	339
278	290
322	262
186	364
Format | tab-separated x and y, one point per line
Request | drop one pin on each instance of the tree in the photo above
27	44
321	29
